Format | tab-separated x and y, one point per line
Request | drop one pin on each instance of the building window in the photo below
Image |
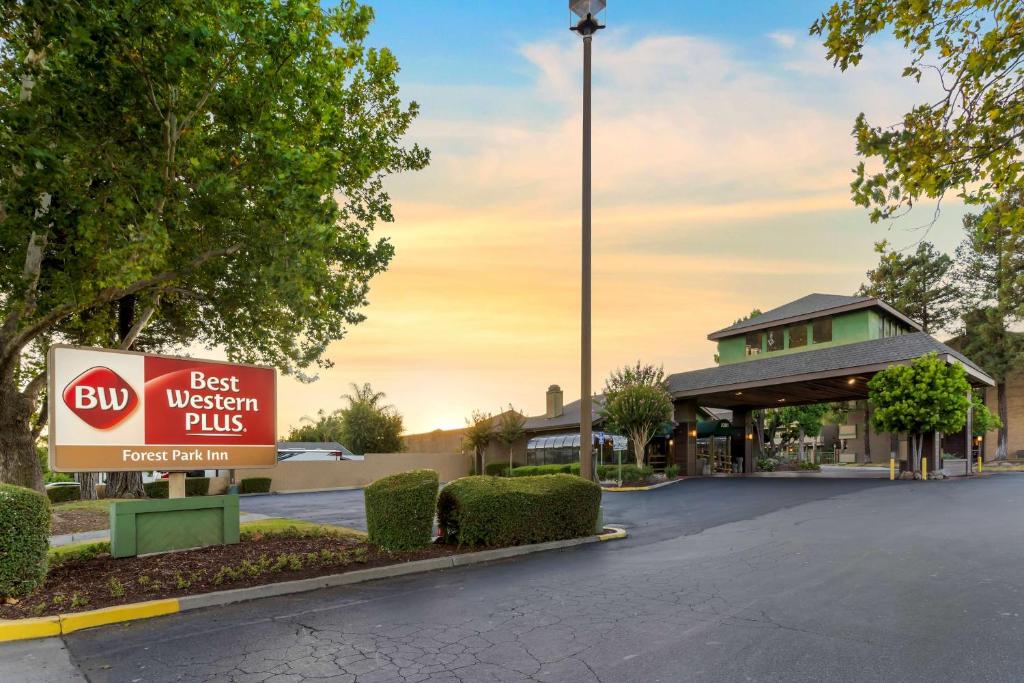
797	336
753	344
822	330
776	339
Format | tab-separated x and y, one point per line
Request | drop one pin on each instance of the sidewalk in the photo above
104	534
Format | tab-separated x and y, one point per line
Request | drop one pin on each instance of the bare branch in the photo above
140	324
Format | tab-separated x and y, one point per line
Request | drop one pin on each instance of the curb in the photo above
620	489
43	627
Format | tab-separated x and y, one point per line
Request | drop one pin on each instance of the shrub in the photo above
62	494
24	539
254	485
767	464
672	471
496	469
494	511
810	466
400	509
630	473
194	486
539	470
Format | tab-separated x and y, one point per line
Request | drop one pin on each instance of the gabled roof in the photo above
810	306
570	417
858	357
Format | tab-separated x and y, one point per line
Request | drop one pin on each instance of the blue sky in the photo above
722	157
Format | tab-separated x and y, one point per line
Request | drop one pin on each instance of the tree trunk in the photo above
803	450
18	462
640	446
867	431
125	485
88	481
1001	453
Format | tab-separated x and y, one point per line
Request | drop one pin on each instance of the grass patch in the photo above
285	525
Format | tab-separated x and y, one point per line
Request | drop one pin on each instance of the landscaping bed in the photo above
79	516
87	577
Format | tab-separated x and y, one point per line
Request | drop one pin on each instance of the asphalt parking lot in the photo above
721	580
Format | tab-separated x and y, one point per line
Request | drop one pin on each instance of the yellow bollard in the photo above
924	469
979	463
892	469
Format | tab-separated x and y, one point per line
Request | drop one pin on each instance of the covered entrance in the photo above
831	374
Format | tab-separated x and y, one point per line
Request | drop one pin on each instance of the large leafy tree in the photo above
367	425
188	172
637	403
928	395
991	265
780	428
325	427
918	284
968	139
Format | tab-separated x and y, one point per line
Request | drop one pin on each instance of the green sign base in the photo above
141	527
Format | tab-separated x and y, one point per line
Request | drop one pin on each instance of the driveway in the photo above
342	508
721	580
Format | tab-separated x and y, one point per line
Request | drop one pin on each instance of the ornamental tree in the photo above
928	395
196	172
478	434
638	404
967	140
509	429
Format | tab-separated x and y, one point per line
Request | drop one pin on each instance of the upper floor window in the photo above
822	330
753	343
776	339
797	336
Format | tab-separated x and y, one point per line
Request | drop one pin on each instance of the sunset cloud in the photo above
720	183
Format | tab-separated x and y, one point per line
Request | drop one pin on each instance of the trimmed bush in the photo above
494	511
808	466
24	539
254	485
538	470
496	469
630	473
62	494
672	471
400	509
194	486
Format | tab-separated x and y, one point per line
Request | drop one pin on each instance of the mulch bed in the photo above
88	583
77	521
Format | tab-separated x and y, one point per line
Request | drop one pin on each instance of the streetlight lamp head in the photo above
587	11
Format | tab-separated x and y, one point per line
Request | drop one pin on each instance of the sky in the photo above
722	163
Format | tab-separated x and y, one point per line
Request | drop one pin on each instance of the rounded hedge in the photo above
400	509
24	539
62	494
254	485
495	511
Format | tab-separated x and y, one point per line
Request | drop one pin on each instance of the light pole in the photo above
586	12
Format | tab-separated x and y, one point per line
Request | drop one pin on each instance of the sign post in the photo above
124	411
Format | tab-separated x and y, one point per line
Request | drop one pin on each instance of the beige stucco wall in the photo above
1014	414
312	476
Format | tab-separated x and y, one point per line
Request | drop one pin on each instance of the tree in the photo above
510	428
991	270
479	431
368	426
968	140
637	403
201	172
983	420
779	428
929	395
917	284
326	427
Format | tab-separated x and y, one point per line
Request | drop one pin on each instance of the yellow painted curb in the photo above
618	533
628	488
24	629
112	615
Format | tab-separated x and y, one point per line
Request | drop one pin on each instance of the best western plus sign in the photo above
115	410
